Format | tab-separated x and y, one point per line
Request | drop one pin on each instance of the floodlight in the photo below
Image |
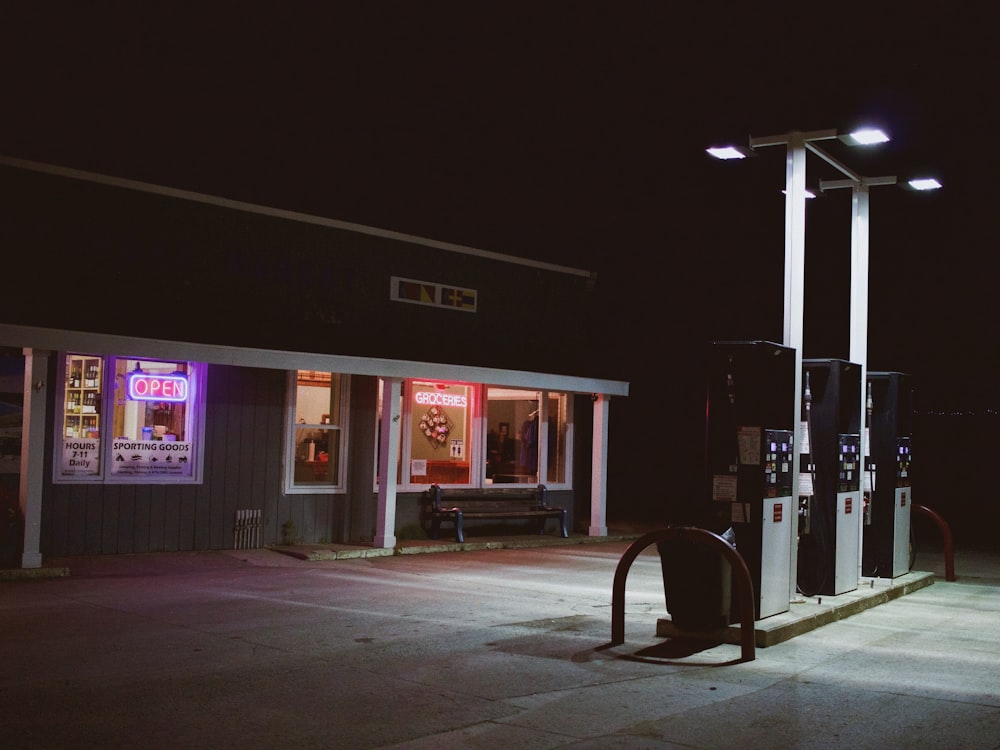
924	183
726	152
866	137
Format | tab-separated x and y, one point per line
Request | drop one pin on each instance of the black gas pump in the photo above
886	537
750	412
830	513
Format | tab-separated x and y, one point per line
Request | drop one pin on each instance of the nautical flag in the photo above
461	298
416	291
426	293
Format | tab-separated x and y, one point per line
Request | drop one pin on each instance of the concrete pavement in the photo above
480	648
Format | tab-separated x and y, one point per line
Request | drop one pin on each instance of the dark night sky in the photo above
571	132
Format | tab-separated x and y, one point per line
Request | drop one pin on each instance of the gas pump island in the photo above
755	388
843	531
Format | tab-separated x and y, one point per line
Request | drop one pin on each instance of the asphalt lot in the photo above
472	649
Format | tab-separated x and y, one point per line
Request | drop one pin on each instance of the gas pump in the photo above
749	442
886	534
830	515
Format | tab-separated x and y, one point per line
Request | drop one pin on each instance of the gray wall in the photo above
120	261
244	439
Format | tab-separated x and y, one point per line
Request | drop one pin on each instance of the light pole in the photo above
858	352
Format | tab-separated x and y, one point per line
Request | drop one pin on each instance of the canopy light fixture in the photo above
860	137
865	137
924	183
726	152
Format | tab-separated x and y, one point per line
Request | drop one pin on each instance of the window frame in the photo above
543	397
477	436
196	421
409	414
339	487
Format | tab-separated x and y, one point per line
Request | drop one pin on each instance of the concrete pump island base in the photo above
708	585
808	613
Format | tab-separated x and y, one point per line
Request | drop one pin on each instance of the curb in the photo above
317	553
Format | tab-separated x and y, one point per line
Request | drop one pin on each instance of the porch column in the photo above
36	368
388	458
599	469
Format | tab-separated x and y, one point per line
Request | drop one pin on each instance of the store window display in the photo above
475	435
440	432
127	419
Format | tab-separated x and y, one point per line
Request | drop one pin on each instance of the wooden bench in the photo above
456	505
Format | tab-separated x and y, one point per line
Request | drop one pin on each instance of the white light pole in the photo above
859	288
795	262
858	348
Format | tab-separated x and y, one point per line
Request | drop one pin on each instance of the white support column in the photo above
795	254
388	452
859	325
36	368
599	469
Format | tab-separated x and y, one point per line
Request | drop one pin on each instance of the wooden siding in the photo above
244	441
314	288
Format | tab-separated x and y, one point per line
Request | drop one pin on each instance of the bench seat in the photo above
456	505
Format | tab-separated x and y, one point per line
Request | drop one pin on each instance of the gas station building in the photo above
177	364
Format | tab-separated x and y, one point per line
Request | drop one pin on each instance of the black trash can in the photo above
697	583
10	532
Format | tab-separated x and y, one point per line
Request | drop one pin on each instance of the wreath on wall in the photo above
436	426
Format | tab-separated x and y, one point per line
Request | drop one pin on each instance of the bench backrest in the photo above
488	499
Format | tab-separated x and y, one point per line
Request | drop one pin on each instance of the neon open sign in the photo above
143	386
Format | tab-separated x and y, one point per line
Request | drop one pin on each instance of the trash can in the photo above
10	530
697	583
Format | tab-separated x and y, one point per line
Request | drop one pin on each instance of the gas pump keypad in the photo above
848	478
777	462
903	463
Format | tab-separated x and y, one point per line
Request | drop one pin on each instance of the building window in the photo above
317	425
528	434
440	433
129	420
512	436
454	435
559	439
80	447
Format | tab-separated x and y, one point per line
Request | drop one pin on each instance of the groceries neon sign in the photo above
143	386
436	398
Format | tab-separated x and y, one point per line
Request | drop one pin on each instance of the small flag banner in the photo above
426	293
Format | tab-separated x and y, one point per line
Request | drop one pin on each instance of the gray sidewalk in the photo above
481	648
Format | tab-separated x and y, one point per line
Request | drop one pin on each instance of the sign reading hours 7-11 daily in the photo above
81	457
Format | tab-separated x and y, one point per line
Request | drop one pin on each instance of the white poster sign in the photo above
151	458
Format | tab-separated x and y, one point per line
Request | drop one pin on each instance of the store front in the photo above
158	436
